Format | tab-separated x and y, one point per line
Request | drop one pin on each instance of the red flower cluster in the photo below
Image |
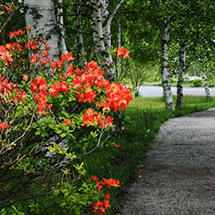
59	64
16	33
32	45
3	126
58	87
68	57
67	121
35	59
19	32
91	118
14	47
6	51
109	182
122	52
5	54
99	207
118	96
88	84
10	90
39	89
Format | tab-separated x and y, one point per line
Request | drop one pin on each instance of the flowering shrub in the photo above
50	118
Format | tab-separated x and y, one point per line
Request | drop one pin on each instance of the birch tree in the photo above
102	20
60	23
182	58
205	82
80	40
98	35
40	15
164	66
119	35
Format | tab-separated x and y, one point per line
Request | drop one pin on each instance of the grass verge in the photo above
143	119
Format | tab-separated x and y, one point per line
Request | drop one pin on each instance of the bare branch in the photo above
111	16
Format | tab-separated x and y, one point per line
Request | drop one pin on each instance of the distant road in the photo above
154	91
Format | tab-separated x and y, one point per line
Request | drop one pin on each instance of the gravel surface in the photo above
179	170
155	91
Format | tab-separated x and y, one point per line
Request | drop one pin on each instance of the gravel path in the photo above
179	171
155	91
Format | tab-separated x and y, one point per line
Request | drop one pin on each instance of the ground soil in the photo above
179	170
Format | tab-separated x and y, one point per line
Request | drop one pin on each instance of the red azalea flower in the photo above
67	121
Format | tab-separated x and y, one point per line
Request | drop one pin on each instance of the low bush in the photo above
197	83
52	117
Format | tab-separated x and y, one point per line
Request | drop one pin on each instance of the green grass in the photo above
144	117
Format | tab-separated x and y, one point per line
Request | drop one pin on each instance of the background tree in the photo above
40	16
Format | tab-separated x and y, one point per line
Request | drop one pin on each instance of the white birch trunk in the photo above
182	59
205	83
79	33
60	22
98	38
107	20
164	67
107	40
102	33
119	44
40	16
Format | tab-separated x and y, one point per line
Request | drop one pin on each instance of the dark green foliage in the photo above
197	83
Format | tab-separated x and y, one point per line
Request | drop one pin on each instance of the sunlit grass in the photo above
147	103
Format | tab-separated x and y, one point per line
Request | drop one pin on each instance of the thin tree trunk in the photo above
205	82
119	44
102	34
98	37
107	40
40	16
79	33
182	59
164	67
60	22
107	20
102	54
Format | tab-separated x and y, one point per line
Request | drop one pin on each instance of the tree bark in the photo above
182	59
98	37
205	82
102	20
80	40
119	44
60	22
103	57
40	16
107	20
164	67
